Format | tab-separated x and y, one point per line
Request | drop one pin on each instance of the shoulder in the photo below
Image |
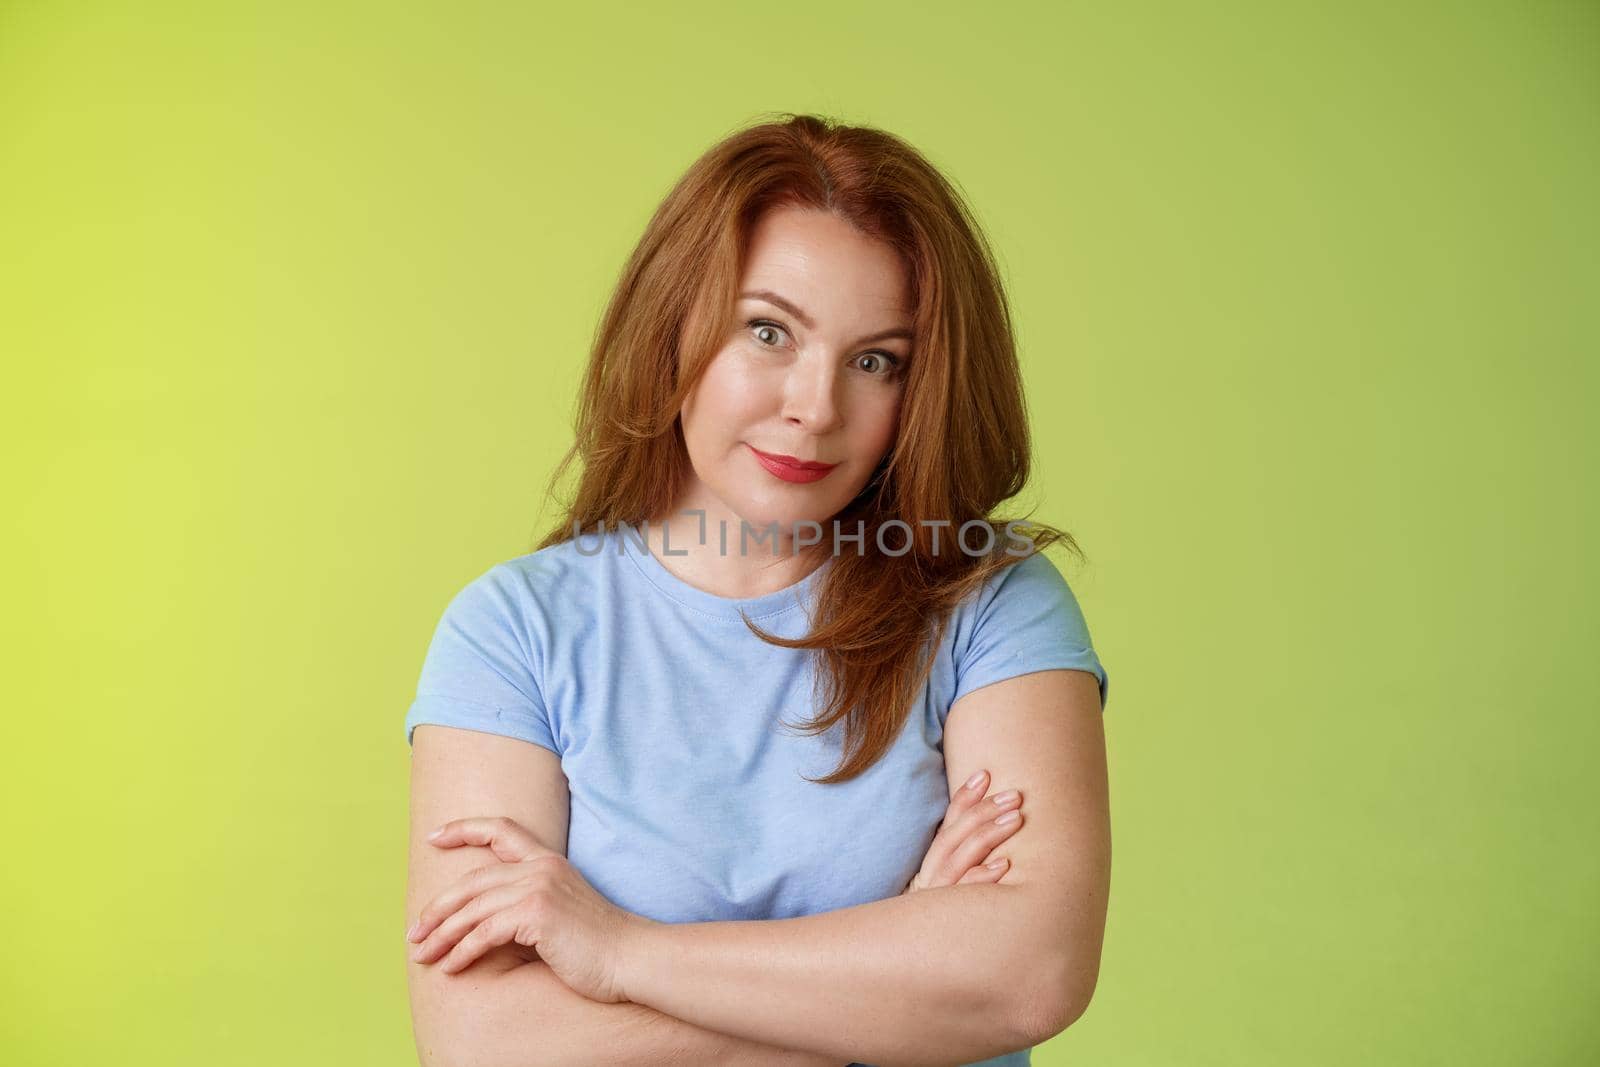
514	612
1031	586
553	580
1023	618
1032	574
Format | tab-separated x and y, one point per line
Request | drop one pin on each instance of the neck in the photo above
720	554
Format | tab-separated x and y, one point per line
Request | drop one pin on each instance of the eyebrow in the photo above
805	320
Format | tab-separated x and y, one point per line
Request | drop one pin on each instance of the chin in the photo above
786	520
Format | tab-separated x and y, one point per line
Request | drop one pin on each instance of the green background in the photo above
294	301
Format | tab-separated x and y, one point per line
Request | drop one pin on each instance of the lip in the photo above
789	468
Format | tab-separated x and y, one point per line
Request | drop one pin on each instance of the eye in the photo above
765	326
896	364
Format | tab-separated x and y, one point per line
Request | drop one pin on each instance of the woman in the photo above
685	756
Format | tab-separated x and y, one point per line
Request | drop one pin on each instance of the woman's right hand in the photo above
962	852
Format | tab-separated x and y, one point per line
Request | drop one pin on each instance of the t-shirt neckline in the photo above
655	572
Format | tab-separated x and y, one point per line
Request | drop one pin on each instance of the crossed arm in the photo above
751	993
952	976
506	1010
944	977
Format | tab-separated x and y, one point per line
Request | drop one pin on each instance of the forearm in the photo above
949	976
525	1016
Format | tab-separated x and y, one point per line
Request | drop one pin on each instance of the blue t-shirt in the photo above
687	797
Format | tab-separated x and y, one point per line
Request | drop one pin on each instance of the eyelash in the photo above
896	364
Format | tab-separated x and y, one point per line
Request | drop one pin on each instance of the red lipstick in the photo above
789	468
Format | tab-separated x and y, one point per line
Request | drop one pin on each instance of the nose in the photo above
808	396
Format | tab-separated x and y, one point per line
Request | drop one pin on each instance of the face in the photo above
812	366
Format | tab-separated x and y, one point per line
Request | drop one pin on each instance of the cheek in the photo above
742	389
880	423
724	402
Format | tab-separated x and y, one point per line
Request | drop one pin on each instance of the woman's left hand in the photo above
534	898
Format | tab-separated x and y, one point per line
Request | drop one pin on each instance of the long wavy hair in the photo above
962	446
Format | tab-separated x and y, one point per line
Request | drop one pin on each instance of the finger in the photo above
497	929
950	828
455	926
989	872
945	859
969	794
470	885
976	848
984	812
509	839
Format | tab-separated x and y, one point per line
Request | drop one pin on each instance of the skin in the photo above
817	392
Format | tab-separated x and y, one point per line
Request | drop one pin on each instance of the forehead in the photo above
820	261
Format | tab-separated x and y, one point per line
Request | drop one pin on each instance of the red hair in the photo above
962	447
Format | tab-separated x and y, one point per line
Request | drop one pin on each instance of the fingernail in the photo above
996	865
1009	817
972	783
435	833
411	932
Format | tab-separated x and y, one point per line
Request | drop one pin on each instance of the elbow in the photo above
445	1041
476	1017
462	1043
1056	998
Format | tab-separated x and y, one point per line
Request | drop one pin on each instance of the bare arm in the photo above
505	1009
518	1014
926	978
948	977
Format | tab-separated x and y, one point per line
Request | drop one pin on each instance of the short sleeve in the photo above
477	674
1026	619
